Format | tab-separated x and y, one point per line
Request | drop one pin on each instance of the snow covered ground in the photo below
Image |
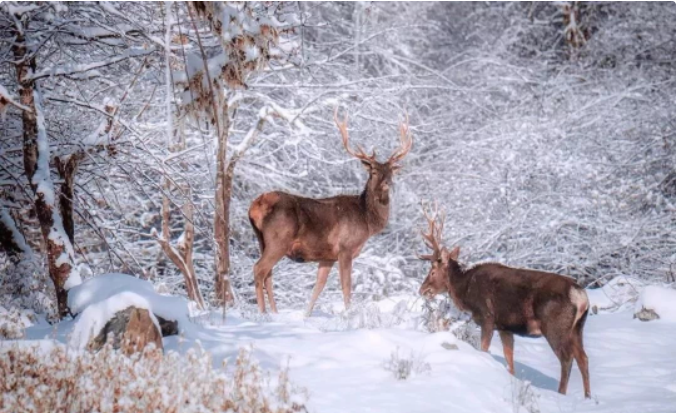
343	365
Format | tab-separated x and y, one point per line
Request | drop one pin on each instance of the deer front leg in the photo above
345	269
322	276
507	339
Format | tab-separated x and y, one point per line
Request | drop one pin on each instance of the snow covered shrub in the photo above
24	284
442	315
51	378
523	397
402	368
468	332
437	315
363	316
14	321
380	276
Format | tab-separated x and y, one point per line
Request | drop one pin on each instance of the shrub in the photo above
54	378
402	368
524	398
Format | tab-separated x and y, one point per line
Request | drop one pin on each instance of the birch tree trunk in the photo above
36	165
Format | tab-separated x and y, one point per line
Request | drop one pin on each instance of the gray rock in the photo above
449	346
646	314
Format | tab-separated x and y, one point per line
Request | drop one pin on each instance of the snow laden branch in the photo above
268	112
73	69
7	99
11	239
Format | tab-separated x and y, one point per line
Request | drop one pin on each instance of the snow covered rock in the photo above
658	300
95	290
131	330
98	300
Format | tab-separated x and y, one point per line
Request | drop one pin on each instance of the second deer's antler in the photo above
433	238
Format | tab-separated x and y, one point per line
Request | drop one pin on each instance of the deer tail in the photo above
579	298
259	235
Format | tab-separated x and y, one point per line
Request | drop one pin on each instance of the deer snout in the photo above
426	291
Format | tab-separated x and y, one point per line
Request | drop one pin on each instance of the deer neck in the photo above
376	209
458	285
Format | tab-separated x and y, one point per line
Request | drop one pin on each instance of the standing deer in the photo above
324	230
512	301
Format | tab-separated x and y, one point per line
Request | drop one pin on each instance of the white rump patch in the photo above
579	298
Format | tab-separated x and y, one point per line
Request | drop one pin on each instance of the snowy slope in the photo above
632	363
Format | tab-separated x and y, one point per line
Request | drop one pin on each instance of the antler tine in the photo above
405	140
342	127
433	238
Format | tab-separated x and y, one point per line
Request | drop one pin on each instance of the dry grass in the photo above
404	367
54	378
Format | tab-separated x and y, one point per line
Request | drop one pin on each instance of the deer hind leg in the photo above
268	288
322	276
561	341
580	355
566	359
507	339
345	269
486	334
263	277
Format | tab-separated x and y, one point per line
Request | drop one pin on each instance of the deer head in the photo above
380	174
437	280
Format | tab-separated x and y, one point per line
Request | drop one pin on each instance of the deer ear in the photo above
454	254
396	168
444	255
367	165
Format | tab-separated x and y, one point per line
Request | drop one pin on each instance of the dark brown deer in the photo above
324	230
512	301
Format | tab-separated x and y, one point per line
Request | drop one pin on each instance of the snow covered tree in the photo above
244	38
37	34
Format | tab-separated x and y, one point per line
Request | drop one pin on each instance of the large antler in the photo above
405	141
433	238
342	127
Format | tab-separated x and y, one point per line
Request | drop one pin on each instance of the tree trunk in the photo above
67	167
182	258
36	166
222	214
